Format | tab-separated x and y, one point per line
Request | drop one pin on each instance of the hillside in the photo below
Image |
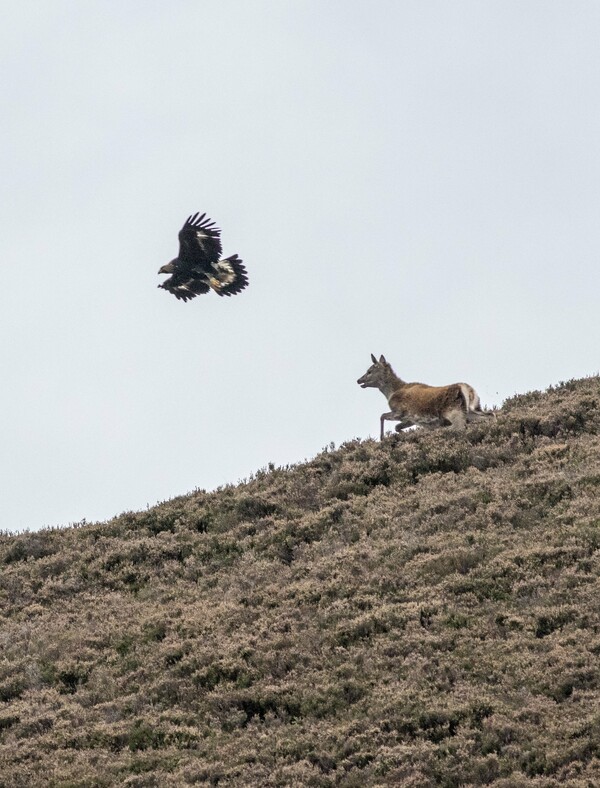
418	612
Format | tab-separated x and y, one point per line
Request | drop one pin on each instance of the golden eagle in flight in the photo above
198	267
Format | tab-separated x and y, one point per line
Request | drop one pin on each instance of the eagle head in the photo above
168	268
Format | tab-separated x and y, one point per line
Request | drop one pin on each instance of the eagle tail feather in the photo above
232	276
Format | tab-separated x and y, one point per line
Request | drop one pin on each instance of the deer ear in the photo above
382	360
373	359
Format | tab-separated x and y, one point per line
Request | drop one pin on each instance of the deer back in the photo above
420	399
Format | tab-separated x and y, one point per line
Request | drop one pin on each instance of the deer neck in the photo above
390	384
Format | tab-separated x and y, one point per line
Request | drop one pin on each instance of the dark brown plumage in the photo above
198	268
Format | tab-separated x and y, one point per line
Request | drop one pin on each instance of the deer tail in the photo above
470	396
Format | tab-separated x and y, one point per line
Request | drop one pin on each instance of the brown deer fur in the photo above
417	404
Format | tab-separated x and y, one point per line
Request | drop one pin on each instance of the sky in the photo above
415	178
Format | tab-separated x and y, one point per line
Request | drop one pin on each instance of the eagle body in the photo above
199	268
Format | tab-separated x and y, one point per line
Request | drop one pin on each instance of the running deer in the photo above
417	404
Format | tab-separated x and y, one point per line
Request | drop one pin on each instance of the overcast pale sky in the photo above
419	179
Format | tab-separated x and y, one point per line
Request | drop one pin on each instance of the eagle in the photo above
198	266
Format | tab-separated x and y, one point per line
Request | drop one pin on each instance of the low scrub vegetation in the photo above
417	612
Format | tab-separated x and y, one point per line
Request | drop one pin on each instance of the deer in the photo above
420	405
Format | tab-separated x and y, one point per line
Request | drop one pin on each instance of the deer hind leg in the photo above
457	418
478	415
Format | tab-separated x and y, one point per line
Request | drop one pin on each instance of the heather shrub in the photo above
420	611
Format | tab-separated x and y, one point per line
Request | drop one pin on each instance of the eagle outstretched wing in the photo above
198	268
199	243
185	289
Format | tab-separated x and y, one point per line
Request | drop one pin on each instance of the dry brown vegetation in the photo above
418	612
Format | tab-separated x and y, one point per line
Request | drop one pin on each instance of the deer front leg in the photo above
391	416
402	425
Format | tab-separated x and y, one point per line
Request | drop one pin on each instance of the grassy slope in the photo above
418	612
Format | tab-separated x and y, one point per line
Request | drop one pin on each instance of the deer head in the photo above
376	374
